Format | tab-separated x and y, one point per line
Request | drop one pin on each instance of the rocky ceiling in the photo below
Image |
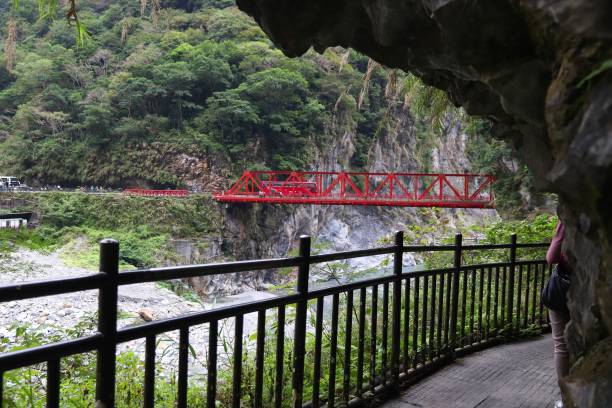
520	63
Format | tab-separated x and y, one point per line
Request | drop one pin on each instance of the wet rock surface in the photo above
519	63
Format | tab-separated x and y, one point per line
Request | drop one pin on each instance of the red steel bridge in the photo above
383	189
155	193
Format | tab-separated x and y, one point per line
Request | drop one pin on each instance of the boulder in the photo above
146	314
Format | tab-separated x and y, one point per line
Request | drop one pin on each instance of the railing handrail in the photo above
107	338
32	289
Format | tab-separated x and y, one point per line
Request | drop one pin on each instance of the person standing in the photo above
556	302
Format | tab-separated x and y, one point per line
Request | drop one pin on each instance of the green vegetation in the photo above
535	229
26	387
76	222
194	79
205	83
183	218
513	180
182	289
11	239
604	66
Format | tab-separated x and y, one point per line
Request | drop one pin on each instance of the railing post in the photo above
397	305
107	324
455	294
299	339
510	298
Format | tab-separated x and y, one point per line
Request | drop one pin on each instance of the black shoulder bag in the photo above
554	293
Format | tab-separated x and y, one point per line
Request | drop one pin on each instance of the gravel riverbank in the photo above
58	314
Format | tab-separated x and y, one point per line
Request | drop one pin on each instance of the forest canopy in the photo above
153	81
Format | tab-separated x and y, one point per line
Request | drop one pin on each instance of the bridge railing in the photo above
156	193
334	346
342	188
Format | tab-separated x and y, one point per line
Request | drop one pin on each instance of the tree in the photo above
229	117
32	75
137	95
210	74
176	79
96	123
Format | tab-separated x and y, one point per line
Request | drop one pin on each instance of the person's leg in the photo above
557	325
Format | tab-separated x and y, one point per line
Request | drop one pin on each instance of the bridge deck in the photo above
509	376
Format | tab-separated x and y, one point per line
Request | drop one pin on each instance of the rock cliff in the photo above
523	65
260	231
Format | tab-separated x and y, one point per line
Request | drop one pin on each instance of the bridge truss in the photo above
381	189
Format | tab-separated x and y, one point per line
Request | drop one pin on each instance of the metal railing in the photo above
392	329
155	193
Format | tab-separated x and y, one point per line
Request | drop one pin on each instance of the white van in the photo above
9	183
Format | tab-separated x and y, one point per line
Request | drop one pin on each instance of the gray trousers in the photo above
557	325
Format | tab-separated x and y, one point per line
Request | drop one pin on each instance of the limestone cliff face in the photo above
449	154
519	63
274	229
261	231
394	151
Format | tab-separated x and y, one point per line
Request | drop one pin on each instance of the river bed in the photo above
73	314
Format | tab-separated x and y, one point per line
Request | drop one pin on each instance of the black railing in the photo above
392	329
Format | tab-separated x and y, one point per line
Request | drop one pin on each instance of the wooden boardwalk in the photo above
509	376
